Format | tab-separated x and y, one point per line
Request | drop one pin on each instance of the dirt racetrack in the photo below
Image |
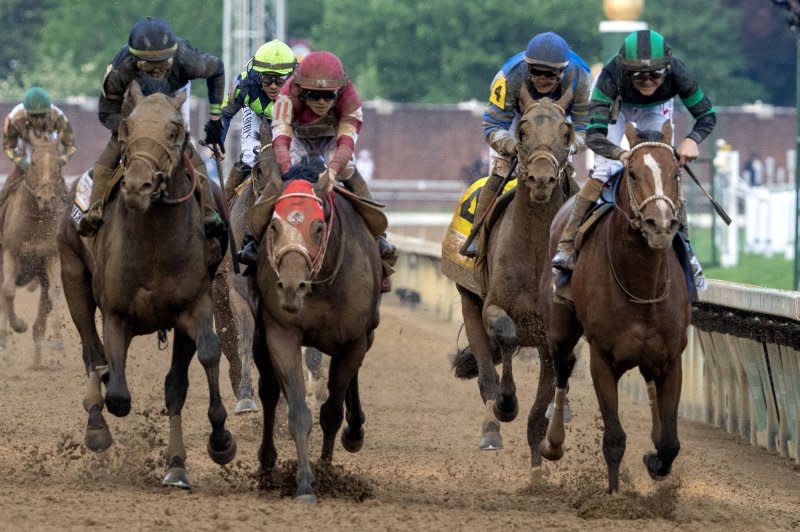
420	468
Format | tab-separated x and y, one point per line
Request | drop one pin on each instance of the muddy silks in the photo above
456	266
300	214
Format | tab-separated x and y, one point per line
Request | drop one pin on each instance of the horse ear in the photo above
324	184
136	92
525	99
565	99
630	134
570	137
179	99
122	130
666	132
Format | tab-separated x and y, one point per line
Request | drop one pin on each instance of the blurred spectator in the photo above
478	169
753	170
365	165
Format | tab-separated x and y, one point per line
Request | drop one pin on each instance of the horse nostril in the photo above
650	225
280	285
674	225
302	286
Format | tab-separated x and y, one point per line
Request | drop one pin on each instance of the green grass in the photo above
770	272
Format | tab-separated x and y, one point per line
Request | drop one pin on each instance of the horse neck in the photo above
532	220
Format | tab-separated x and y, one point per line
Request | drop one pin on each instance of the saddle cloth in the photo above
83	192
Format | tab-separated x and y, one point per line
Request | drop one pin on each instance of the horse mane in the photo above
649	135
148	86
307	170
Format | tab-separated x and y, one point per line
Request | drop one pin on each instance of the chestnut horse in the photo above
319	276
506	316
27	238
631	303
147	269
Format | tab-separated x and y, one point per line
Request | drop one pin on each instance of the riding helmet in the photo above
547	50
152	39
644	50
36	101
320	71
274	56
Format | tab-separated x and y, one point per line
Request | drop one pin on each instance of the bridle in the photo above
637	207
161	177
543	152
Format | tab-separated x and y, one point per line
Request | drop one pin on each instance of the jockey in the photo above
157	58
637	85
36	115
318	114
256	89
547	68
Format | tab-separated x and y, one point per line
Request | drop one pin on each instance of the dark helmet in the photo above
320	71
152	39
36	101
644	50
547	50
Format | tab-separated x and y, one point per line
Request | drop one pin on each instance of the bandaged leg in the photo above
586	197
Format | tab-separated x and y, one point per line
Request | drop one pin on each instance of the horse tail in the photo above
464	364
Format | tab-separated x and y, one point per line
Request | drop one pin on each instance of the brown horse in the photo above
631	303
507	317
319	276
147	270
30	218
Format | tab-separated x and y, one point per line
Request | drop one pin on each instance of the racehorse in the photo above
318	276
630	302
147	270
506	316
29	221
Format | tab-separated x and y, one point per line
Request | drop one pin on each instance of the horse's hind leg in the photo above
55	318
221	444
244	324
223	317
614	438
488	381
9	290
665	420
504	332
175	386
343	371
269	391
353	433
116	340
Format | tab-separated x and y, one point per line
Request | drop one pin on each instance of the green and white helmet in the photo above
36	101
274	56
644	50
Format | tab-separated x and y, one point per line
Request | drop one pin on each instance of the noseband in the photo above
545	152
161	177
638	207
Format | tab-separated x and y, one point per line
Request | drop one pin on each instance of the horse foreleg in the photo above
614	438
40	324
488	381
269	391
56	318
668	394
503	331
9	290
98	435
221	443
344	367
223	318
244	324
287	360
175	386
116	340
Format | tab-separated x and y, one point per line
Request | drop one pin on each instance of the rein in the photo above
153	163
632	297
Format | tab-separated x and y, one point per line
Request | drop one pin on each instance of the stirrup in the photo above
564	260
386	248
213	226
89	224
470	251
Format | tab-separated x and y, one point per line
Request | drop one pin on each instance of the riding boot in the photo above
486	199
92	219
565	252
248	254
213	225
239	173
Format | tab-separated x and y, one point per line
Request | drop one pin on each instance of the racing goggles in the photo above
268	79
539	72
154	68
653	75
311	94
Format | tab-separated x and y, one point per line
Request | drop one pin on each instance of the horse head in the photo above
152	140
297	237
266	171
652	185
544	136
42	177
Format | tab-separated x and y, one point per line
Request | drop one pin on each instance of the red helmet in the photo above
320	71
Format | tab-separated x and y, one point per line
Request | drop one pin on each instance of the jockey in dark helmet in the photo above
547	68
36	115
160	61
637	85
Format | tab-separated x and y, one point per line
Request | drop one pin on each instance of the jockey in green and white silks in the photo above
638	86
547	68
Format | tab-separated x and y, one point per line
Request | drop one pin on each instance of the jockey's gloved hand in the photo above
213	138
24	164
508	146
63	160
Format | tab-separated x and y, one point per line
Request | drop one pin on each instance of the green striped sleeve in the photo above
599	96
693	99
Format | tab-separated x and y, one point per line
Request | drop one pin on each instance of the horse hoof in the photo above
118	406
19	326
350	442
225	455
551	453
98	440
177	477
307	498
491	441
243	406
505	409
655	466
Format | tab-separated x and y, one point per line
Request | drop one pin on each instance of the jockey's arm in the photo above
580	110
498	116
11	142
202	65
603	95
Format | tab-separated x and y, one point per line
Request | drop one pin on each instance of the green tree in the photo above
21	21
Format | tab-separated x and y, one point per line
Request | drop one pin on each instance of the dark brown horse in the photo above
147	270
631	303
29	221
506	315
318	276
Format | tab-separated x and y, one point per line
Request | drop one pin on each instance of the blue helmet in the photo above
547	50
